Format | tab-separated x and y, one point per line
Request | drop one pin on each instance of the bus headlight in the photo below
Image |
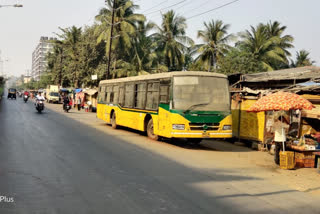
178	126
227	127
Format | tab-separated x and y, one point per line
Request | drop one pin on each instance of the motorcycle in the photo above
39	105
25	98
66	107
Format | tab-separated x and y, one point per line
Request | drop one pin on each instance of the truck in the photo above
52	94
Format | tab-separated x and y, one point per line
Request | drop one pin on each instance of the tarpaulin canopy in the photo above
77	90
90	91
281	101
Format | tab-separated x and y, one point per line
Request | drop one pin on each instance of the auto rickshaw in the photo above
12	93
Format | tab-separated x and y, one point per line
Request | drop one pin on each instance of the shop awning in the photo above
90	91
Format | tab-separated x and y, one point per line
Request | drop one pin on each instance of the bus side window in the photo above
102	94
129	95
121	95
140	95
153	96
164	94
114	95
108	94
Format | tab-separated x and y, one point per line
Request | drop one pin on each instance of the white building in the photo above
39	55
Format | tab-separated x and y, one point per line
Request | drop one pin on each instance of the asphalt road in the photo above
52	164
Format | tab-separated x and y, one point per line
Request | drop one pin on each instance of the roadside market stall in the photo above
90	99
303	147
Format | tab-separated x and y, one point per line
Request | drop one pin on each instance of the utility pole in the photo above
110	41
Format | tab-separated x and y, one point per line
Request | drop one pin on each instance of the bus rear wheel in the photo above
150	131
113	121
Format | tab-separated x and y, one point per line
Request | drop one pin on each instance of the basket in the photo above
286	160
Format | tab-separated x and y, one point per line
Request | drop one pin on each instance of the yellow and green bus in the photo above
187	104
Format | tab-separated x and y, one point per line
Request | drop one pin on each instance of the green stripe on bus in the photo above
199	116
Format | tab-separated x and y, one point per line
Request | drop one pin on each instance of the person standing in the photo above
280	128
79	103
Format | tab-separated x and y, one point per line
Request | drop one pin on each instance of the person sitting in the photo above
26	93
39	97
66	100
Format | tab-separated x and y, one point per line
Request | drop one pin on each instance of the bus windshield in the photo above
201	93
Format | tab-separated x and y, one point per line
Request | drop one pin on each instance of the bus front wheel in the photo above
113	121
150	131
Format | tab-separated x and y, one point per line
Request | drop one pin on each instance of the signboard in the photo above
94	77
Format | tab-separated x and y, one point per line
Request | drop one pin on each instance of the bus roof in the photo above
163	75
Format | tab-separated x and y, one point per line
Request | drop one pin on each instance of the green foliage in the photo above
215	46
171	41
238	61
302	59
267	45
141	47
1	86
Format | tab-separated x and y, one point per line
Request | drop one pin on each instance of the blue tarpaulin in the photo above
77	90
311	83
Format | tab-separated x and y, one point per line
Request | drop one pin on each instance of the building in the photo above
26	79
39	55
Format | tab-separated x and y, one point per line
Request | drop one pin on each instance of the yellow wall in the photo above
252	125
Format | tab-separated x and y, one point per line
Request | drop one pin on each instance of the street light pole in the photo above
12	5
110	41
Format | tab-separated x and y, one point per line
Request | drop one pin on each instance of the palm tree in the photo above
302	59
263	47
55	62
171	41
274	29
124	28
71	38
215	37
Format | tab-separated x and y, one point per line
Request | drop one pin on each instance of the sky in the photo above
21	28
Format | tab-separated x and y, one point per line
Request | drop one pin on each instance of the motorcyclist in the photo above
26	93
39	97
66	100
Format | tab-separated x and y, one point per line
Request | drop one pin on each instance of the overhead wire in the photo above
180	2
194	9
191	1
205	12
208	11
161	3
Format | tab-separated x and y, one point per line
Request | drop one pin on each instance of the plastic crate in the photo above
286	160
304	163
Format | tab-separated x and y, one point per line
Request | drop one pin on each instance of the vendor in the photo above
280	128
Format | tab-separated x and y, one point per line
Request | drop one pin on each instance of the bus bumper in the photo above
204	135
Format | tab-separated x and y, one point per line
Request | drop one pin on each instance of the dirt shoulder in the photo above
209	155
